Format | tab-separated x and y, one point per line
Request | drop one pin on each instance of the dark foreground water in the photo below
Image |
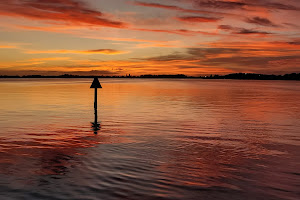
159	139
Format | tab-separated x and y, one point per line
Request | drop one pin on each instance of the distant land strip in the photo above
241	76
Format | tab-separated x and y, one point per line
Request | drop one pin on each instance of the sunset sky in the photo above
119	37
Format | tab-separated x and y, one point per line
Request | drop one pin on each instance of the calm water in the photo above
159	139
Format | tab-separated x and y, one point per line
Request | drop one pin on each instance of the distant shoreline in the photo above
239	76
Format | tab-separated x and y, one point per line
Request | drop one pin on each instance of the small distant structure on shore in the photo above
96	84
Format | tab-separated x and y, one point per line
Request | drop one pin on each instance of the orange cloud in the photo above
12	45
68	30
7	47
5	65
48	59
31	62
65	30
145	45
62	51
138	67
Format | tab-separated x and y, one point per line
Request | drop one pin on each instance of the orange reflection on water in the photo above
46	124
171	134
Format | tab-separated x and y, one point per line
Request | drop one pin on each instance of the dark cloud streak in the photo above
198	19
177	8
261	21
237	58
184	32
237	30
220	4
244	4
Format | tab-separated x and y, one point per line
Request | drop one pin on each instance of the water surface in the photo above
159	139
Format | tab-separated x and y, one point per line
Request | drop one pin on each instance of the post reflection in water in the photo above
96	127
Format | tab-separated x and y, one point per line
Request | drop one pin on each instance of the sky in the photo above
119	37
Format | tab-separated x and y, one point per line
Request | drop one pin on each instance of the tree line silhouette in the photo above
242	76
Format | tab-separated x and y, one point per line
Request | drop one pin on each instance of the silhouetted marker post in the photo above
96	84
